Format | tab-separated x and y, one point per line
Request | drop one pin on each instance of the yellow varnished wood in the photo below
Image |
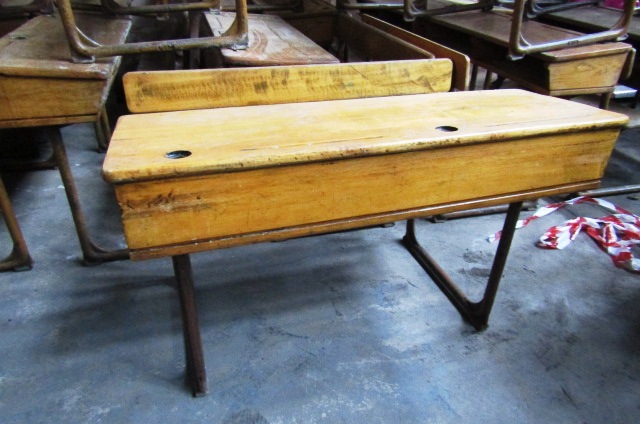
39	83
231	139
321	165
213	88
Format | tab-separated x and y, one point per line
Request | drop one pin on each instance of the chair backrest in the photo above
461	62
162	91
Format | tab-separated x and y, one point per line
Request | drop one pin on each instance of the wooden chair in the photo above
216	155
44	90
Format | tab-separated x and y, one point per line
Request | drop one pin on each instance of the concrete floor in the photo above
343	328
339	328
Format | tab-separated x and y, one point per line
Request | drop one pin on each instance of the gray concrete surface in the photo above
344	328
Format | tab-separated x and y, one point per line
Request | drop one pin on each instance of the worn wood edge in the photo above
585	52
120	176
155	91
39	122
354	222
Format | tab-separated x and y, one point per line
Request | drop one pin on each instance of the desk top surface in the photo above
495	27
594	18
272	42
39	47
242	138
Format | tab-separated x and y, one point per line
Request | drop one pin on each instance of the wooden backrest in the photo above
162	91
461	62
368	43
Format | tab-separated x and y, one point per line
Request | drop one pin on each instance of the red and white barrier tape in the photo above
616	234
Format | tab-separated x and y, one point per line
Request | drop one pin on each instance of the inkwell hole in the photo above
446	128
177	154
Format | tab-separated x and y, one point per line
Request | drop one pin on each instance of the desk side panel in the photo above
187	211
34	97
594	72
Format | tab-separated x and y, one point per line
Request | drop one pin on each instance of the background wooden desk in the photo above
42	88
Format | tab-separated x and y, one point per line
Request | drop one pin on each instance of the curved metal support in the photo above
519	46
85	50
19	258
92	253
413	9
534	10
476	313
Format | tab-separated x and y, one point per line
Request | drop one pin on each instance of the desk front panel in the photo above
189	214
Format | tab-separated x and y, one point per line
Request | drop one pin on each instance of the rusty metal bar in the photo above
533	10
103	130
528	205
476	313
413	8
519	46
92	253
112	6
85	50
611	191
196	372
19	258
294	5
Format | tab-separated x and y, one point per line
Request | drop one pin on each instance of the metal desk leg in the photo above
19	258
92	254
476	313
196	372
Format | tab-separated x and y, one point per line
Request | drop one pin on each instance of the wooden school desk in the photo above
41	88
239	175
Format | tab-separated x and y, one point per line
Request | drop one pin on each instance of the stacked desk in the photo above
40	87
484	36
597	18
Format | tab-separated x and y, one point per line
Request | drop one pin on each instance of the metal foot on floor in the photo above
19	258
92	254
476	313
196	373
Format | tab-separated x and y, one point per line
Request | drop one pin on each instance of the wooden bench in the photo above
43	89
238	175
